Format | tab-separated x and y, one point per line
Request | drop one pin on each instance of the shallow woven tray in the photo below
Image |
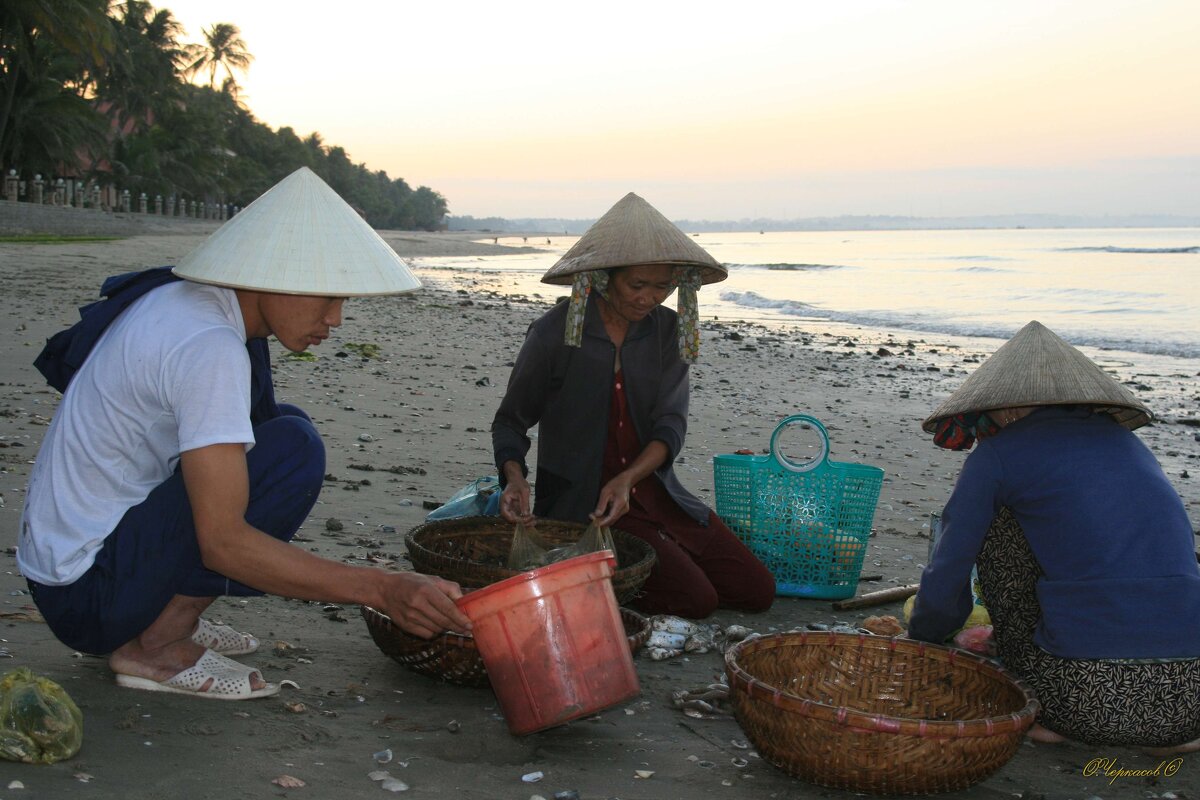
472	551
453	657
876	714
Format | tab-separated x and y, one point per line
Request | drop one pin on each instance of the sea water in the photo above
1133	290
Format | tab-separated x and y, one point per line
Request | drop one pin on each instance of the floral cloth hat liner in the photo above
1033	368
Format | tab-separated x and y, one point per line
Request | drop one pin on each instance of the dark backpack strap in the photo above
262	390
66	351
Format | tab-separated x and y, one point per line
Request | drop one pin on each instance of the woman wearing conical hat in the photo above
604	374
1085	553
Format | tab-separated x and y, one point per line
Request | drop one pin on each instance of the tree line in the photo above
105	91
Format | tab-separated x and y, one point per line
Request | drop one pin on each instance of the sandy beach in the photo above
406	428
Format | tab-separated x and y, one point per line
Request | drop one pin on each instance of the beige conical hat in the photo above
299	237
1037	368
633	233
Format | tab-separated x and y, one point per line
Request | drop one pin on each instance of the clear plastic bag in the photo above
526	551
39	722
595	538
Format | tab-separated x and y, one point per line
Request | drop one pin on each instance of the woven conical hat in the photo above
1037	368
633	233
299	237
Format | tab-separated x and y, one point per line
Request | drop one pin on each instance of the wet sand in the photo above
410	426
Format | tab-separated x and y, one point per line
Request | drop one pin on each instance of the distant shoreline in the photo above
491	226
27	218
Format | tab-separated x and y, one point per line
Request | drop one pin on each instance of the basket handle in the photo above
808	422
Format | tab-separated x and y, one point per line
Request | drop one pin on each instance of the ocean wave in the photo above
931	323
1122	311
1085	297
982	269
789	307
1114	249
788	267
484	267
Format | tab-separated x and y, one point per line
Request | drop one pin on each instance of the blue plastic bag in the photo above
480	497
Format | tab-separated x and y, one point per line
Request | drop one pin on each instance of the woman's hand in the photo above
514	502
613	501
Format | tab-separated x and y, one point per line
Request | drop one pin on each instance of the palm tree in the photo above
78	28
51	124
223	48
144	77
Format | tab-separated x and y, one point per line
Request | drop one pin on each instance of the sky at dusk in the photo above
748	109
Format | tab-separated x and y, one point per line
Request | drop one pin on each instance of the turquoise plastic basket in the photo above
807	522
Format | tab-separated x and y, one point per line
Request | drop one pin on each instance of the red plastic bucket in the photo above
553	642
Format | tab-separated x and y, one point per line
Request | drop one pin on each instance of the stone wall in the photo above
30	218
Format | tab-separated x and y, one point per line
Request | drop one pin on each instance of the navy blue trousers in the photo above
153	555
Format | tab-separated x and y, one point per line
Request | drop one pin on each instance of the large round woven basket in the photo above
453	657
473	550
876	714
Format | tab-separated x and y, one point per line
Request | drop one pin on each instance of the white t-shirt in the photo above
170	374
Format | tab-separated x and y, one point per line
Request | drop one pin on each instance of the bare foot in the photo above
1187	747
1044	735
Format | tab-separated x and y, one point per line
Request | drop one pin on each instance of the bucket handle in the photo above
806	421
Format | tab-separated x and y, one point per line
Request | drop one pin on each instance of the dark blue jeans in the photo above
153	555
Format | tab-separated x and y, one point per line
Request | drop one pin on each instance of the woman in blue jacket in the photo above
1085	552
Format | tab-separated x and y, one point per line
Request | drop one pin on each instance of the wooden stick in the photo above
878	598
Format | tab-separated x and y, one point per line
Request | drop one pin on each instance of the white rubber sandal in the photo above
230	680
223	639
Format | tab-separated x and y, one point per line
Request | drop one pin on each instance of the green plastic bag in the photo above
39	722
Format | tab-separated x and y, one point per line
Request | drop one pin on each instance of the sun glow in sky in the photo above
743	109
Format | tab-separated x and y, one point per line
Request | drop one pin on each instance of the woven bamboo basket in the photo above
453	657
875	714
472	551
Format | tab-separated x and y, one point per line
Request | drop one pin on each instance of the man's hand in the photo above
218	487
423	605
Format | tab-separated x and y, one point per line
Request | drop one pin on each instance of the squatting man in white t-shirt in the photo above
169	476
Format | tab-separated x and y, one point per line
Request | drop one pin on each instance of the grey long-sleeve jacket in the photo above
567	391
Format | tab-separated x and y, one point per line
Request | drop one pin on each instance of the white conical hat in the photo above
1037	368
630	234
299	237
